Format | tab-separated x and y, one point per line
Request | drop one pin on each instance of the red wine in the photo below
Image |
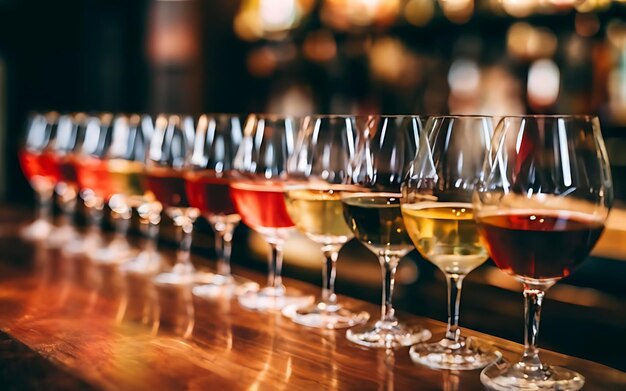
540	245
39	168
261	205
168	186
209	193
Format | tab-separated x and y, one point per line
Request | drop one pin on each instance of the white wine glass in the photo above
437	212
324	151
386	146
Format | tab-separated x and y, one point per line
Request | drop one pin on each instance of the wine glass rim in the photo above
343	116
476	116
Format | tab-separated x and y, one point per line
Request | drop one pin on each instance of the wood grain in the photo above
114	331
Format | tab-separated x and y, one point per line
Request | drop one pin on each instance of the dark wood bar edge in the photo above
69	324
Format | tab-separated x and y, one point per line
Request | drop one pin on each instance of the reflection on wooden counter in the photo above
117	331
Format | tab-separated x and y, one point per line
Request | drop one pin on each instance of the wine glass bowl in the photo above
324	151
540	208
437	211
385	146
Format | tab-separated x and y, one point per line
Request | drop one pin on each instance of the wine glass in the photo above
257	194
68	140
324	151
170	147
34	158
386	147
111	169
437	212
207	176
541	207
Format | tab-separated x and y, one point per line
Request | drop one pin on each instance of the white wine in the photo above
376	221
446	234
318	213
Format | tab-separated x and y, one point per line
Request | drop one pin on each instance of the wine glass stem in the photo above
44	205
274	279
329	272
455	286
150	226
122	223
184	232
95	213
67	203
533	298
223	247
389	265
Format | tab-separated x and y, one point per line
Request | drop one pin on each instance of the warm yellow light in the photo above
419	12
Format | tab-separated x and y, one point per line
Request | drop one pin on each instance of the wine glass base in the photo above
270	299
381	335
466	355
37	230
181	274
216	285
60	237
146	263
504	376
320	316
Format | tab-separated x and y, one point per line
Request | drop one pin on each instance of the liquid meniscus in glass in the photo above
446	234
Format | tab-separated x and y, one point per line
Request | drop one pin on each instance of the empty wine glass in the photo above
257	194
324	151
35	157
437	212
386	147
170	147
208	174
541	207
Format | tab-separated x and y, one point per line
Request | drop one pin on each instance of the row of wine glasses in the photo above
532	192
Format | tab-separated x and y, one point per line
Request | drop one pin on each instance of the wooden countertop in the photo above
68	324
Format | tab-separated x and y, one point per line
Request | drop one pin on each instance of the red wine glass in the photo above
257	193
541	207
34	157
166	158
208	173
437	213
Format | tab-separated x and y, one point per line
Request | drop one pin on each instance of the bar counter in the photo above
69	324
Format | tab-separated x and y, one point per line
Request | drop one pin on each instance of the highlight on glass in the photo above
438	215
386	146
324	151
541	208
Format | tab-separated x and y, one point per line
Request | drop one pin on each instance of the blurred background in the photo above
339	56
